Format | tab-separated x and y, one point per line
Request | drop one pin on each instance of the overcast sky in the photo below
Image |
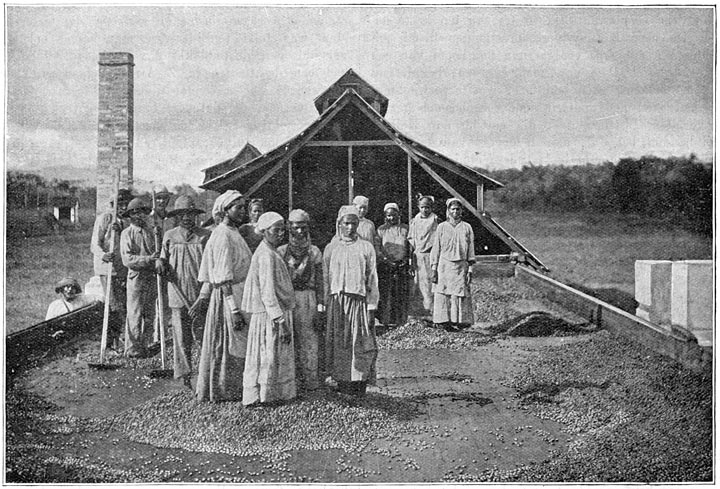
492	87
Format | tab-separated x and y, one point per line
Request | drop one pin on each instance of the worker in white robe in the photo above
223	270
269	376
351	296
452	257
304	263
421	236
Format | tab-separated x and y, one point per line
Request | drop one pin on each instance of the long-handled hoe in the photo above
163	373
108	284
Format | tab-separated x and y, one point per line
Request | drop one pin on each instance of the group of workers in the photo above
274	317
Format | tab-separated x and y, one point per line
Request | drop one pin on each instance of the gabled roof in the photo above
248	153
285	151
351	80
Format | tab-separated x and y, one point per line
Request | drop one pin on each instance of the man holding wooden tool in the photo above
105	247
181	255
139	255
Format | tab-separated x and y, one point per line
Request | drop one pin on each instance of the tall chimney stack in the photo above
115	125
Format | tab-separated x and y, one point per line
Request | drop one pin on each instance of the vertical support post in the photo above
409	188
351	190
290	185
481	197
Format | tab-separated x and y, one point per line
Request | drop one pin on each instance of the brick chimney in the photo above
115	125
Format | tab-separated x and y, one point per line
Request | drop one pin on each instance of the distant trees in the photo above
679	189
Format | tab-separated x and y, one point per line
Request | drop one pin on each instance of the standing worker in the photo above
351	291
451	258
305	264
182	250
100	246
421	237
366	228
393	268
224	268
137	248
247	230
269	375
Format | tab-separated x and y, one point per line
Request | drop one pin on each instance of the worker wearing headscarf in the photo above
269	375
366	228
304	262
451	258
255	208
393	268
351	296
223	270
421	236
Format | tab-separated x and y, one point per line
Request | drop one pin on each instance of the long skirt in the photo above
306	339
270	363
423	283
453	300
182	342
393	284
222	357
351	350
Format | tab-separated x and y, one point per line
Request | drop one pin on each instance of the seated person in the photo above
71	298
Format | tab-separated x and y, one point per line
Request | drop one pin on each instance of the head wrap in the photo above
224	201
68	281
216	209
347	210
428	197
451	200
298	250
266	220
391	205
448	203
299	215
361	200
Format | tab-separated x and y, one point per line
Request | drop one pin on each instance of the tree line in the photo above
678	189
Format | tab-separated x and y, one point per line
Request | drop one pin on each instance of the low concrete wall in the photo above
676	344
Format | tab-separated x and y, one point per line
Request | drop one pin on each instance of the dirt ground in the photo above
445	408
469	421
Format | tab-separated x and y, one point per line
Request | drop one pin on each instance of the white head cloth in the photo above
391	205
361	200
266	220
224	201
451	200
299	215
347	210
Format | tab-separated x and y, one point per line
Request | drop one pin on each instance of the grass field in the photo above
599	251
35	263
596	252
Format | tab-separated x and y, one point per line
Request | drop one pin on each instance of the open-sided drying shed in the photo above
351	149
